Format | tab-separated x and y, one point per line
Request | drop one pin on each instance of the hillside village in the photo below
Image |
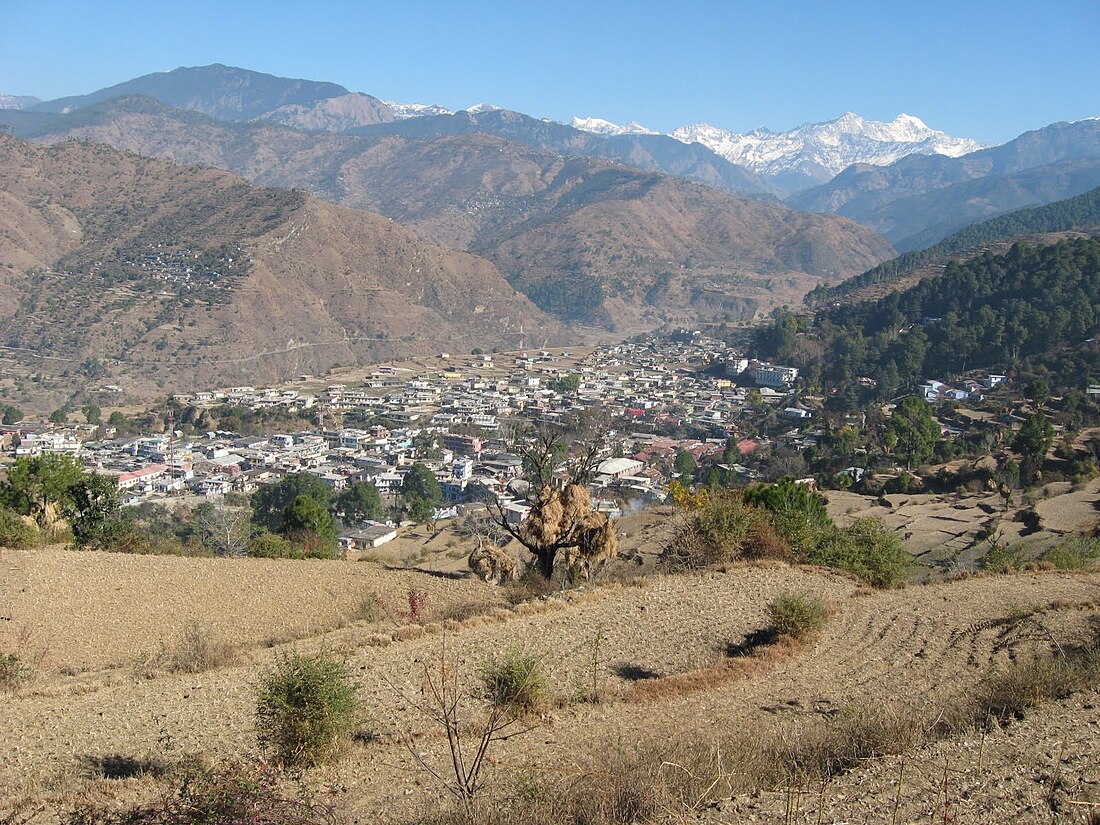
459	417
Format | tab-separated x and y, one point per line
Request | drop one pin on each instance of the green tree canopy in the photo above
1034	440
308	523
10	415
35	483
685	464
913	431
421	492
270	502
94	510
59	416
93	414
359	503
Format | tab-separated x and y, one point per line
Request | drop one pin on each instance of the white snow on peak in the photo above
16	101
821	150
403	111
478	108
599	126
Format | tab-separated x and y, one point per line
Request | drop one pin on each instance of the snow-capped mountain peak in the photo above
403	111
478	108
818	151
17	101
599	126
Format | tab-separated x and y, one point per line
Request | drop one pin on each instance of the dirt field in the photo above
95	615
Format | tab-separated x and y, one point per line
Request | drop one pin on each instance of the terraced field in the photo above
96	696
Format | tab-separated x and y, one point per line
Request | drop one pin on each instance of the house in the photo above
796	414
992	381
774	375
370	537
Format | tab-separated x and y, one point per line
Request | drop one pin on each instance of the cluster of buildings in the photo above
458	416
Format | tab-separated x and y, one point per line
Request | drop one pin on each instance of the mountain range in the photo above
589	240
601	227
143	273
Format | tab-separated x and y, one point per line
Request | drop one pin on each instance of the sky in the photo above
984	70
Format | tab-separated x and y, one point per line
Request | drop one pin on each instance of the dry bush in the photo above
516	681
797	615
197	650
238	793
462	611
530	586
306	709
13	672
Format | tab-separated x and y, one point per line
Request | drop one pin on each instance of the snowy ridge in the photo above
478	108
17	101
599	126
403	111
821	150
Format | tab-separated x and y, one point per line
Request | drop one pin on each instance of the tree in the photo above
913	430
421	492
92	414
118	420
566	384
1033	441
308	523
359	503
95	511
10	415
59	416
222	528
270	502
685	464
40	485
561	519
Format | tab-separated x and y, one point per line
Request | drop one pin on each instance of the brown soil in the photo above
918	645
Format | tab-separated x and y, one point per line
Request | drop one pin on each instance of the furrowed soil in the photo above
97	626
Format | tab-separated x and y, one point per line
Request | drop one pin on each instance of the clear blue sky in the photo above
987	70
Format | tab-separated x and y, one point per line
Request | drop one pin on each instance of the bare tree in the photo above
561	519
469	739
224	528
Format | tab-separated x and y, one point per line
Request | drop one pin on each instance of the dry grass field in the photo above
105	634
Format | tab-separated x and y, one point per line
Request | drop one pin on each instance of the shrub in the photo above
866	549
797	615
238	793
13	671
1001	557
16	533
1075	553
714	533
306	708
515	680
197	650
272	546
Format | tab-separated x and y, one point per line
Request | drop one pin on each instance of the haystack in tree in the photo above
561	520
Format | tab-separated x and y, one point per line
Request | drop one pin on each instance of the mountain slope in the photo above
652	152
1081	212
229	93
135	270
491	196
815	152
920	199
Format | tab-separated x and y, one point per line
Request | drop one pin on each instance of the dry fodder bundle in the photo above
493	565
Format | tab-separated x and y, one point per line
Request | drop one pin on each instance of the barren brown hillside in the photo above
162	277
576	227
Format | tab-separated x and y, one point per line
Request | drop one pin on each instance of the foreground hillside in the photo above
104	703
586	238
127	270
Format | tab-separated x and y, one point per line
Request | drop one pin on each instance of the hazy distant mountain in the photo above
920	199
17	101
585	237
178	276
229	93
652	152
815	152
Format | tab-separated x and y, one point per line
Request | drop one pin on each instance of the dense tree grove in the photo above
1081	211
1034	307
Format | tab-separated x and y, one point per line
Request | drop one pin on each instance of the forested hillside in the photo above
1079	212
1034	309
